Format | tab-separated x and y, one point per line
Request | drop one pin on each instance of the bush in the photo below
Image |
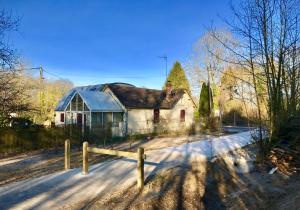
16	140
290	130
237	116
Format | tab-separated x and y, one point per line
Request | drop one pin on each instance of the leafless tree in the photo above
8	57
268	31
204	62
12	96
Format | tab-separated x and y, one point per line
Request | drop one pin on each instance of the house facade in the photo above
126	109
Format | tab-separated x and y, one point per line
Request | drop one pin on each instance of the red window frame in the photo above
156	115
62	117
182	115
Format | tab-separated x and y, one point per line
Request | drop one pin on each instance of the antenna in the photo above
165	57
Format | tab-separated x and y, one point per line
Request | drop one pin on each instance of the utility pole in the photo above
41	90
41	73
165	57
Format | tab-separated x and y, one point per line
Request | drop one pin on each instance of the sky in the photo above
97	41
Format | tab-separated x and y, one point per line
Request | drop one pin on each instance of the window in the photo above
86	108
79	103
118	117
107	118
62	117
73	103
182	115
79	119
156	116
69	107
97	119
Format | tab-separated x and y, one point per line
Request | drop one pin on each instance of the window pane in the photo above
68	108
97	119
79	103
86	108
73	104
107	117
118	117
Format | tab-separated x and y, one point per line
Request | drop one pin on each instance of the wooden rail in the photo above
131	155
67	154
139	156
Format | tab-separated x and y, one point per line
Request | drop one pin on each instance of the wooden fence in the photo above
139	156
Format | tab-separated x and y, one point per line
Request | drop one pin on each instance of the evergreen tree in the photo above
204	109
178	78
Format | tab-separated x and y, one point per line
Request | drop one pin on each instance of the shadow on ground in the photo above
202	185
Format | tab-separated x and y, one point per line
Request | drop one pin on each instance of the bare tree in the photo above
268	49
12	95
8	57
205	60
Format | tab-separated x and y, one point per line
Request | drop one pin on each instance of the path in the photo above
70	187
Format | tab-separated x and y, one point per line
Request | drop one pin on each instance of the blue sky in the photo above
94	41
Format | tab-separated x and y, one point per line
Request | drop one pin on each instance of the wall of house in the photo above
141	120
70	118
57	119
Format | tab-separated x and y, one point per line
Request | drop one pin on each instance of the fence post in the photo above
67	154
85	158
140	168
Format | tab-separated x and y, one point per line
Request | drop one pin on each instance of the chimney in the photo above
169	90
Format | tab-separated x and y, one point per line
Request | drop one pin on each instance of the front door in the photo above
79	119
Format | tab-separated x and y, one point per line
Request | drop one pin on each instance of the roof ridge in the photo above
135	87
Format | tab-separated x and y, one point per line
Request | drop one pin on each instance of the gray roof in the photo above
144	98
129	95
99	101
64	101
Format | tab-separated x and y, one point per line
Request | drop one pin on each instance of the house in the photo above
127	109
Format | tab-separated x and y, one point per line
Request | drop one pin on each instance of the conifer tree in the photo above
204	108
178	78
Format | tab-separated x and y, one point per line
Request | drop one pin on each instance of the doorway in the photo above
79	119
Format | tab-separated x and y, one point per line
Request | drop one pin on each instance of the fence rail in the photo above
139	156
131	155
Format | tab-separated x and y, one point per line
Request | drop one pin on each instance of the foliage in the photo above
16	140
215	96
268	50
290	130
178	78
204	104
19	139
236	117
21	94
45	96
238	96
13	97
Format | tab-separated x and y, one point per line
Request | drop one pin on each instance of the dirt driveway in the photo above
40	163
72	188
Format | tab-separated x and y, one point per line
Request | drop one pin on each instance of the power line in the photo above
102	77
52	74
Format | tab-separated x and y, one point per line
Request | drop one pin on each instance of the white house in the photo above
126	108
